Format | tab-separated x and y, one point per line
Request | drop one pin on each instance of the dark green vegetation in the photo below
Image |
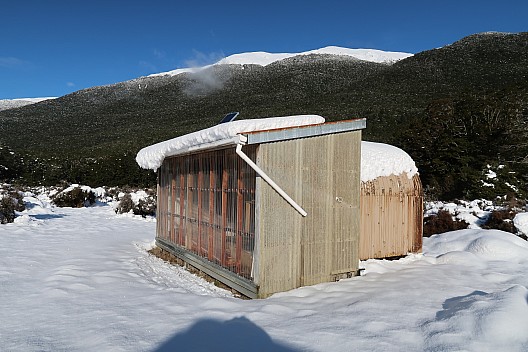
75	198
10	201
455	110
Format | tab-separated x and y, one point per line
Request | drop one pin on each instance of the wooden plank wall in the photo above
322	175
391	217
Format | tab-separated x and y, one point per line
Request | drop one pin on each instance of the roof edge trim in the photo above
283	134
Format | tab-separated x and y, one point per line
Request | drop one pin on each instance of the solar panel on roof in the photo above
229	117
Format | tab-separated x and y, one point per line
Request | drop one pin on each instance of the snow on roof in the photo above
379	159
151	157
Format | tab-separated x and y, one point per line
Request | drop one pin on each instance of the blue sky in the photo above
55	47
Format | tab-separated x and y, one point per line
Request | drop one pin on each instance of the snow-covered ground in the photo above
81	280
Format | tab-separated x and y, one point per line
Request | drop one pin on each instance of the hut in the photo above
263	205
391	203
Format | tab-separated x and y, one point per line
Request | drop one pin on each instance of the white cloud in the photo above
202	59
11	62
70	84
159	54
148	66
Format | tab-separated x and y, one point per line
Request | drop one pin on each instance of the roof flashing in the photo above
282	134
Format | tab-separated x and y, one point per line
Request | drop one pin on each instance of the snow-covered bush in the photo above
441	222
125	205
500	214
74	196
142	202
501	220
521	224
146	207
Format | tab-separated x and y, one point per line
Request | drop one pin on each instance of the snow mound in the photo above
521	222
378	159
460	258
482	321
152	156
263	58
484	244
494	246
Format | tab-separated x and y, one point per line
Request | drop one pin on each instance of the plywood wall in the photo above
391	217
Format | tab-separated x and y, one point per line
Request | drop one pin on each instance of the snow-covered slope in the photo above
264	58
16	103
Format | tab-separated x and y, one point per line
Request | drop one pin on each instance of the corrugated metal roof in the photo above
276	135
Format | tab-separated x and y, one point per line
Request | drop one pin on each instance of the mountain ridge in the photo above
19	102
263	58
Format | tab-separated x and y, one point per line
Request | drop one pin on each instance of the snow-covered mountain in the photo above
16	103
264	58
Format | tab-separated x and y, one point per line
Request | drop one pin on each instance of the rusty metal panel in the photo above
391	217
322	175
206	206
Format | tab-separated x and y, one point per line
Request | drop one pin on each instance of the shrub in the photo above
7	210
144	207
442	222
501	220
18	199
75	198
9	204
125	204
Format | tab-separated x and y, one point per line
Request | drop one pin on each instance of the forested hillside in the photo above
460	111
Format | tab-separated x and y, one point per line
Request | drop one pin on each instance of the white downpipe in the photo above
269	180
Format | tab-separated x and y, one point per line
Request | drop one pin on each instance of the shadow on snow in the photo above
238	334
